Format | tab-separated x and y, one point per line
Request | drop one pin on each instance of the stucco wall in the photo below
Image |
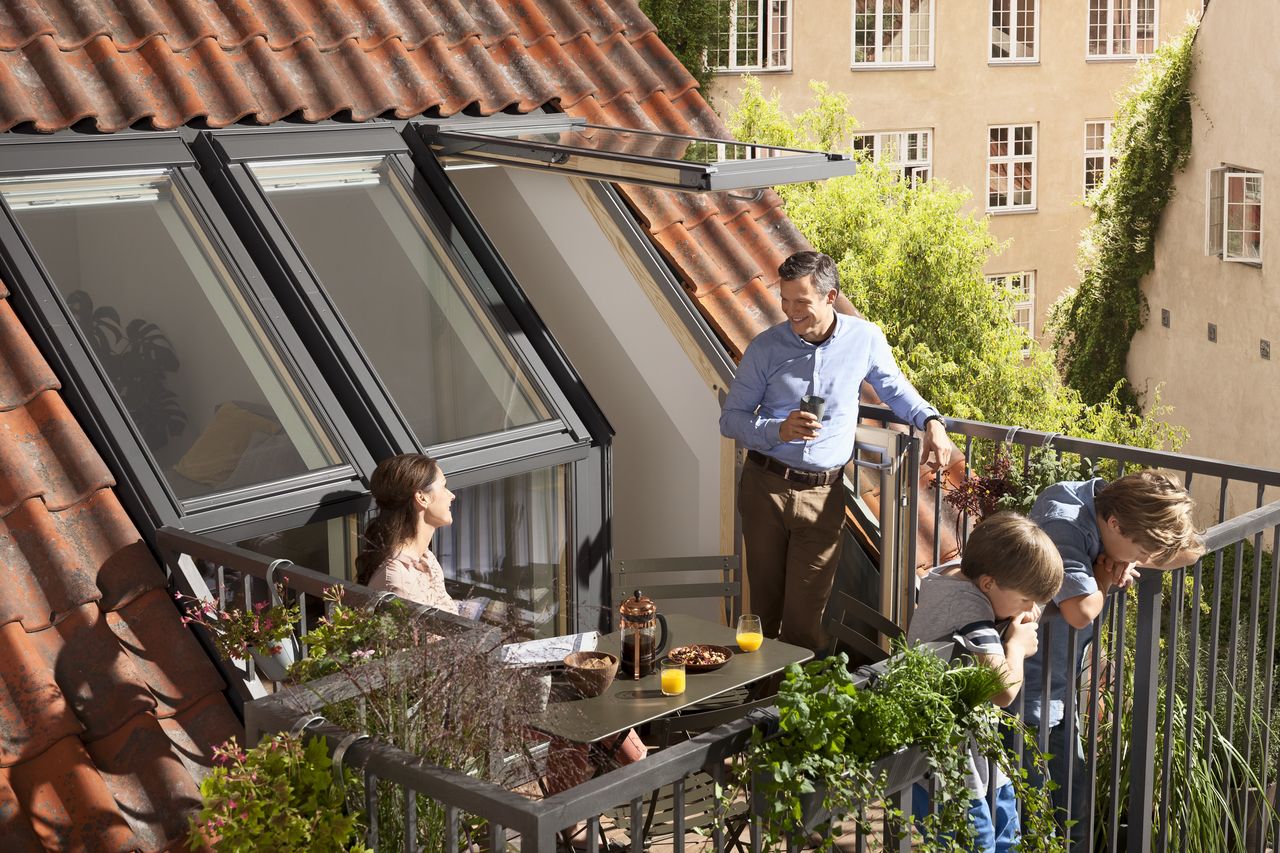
1225	393
962	95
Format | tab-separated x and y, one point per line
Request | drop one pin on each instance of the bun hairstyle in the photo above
394	484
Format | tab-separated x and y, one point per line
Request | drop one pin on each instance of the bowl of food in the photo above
701	657
590	673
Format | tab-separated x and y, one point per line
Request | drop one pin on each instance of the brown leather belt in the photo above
795	475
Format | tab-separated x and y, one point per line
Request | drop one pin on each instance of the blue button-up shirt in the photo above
779	367
1066	512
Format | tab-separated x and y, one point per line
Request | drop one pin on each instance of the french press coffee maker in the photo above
641	641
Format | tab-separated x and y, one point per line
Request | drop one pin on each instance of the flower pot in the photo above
274	666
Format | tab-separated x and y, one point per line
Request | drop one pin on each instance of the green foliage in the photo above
1095	324
831	734
349	635
278	797
689	28
237	632
911	258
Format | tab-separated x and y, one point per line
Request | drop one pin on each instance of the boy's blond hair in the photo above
1016	553
1153	510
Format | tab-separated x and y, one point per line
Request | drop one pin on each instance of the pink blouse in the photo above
414	579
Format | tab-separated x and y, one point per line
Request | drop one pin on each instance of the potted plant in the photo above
263	631
1000	485
281	795
842	742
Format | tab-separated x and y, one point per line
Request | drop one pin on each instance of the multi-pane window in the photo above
1098	156
892	32
1121	29
1022	286
907	151
1015	30
1011	167
1234	215
754	35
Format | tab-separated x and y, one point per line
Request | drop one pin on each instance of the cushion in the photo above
216	453
266	458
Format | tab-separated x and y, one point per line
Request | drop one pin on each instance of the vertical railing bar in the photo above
1170	676
1121	467
1026	457
968	468
1117	705
450	828
1247	702
593	835
637	824
1211	644
906	570
677	812
1193	675
1069	720
1142	742
302	623
1042	731
755	828
410	820
222	587
937	516
1095	682
1233	630
371	808
717	822
1270	670
1222	499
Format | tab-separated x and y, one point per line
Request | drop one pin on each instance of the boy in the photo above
1103	531
1009	568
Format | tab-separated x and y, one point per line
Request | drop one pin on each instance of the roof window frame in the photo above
99	408
576	423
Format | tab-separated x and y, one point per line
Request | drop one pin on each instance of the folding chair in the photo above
859	630
660	578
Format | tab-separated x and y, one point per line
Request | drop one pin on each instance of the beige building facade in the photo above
1011	99
1214	296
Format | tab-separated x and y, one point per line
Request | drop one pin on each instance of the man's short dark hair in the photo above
826	277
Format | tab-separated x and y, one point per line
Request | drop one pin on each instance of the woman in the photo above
413	503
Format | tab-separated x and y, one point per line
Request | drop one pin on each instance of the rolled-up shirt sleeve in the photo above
739	418
886	378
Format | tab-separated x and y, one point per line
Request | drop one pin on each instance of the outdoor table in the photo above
628	703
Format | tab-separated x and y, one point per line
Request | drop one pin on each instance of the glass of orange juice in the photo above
750	636
673	677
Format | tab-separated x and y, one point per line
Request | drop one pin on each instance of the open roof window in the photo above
571	146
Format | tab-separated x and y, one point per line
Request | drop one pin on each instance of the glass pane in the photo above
438	351
325	546
175	336
507	551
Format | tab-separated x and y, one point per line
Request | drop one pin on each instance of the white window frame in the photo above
1013	11
1105	153
907	43
917	170
767	28
1108	9
1025	299
1217	208
1010	160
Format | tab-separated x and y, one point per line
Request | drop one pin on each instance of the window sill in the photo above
1001	63
1103	60
728	72
892	66
1005	211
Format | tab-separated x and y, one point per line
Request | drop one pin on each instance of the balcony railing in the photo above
1185	663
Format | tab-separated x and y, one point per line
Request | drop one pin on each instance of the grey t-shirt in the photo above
951	607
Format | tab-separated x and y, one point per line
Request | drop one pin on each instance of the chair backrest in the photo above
662	577
862	630
665	729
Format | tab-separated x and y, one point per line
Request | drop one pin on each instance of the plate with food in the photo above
701	657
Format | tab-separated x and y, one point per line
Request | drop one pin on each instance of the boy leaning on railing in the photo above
1008	570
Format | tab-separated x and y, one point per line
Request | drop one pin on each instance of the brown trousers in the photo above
791	540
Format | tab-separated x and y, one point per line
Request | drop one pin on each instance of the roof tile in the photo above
34	713
26	372
44	453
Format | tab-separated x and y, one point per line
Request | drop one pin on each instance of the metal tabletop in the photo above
628	703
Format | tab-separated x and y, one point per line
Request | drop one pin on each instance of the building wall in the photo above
962	95
1224	393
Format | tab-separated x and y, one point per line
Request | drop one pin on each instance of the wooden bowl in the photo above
590	680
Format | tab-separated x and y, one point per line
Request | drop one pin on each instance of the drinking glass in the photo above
750	635
673	677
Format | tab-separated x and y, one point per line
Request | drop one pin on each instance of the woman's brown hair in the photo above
394	483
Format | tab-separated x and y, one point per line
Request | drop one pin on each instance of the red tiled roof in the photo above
108	705
167	63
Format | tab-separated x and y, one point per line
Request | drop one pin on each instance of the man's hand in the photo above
799	425
1023	633
1109	573
937	444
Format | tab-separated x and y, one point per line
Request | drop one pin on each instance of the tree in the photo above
689	28
911	259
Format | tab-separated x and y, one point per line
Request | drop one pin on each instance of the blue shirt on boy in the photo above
1066	512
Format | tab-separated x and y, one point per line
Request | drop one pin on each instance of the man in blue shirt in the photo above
1103	531
791	495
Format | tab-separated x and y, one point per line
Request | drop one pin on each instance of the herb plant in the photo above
831	734
238	632
278	797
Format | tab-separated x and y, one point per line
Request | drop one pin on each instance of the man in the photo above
791	496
